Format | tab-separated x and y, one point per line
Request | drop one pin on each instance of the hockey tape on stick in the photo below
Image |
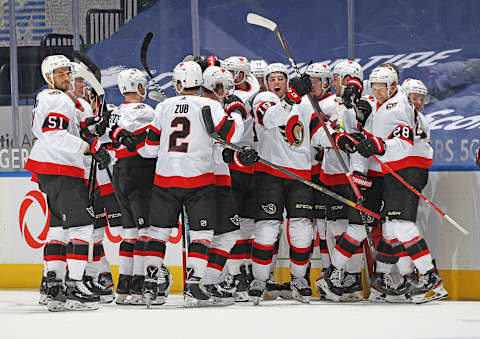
143	60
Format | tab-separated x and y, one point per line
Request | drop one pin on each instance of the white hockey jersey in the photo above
135	118
177	136
285	138
248	136
394	122
59	150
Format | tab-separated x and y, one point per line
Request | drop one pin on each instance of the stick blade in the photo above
255	19
157	96
87	61
207	120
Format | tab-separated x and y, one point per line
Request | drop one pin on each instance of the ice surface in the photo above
22	317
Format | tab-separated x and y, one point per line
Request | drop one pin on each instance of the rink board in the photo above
23	225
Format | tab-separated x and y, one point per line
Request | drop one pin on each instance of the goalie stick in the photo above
160	96
258	20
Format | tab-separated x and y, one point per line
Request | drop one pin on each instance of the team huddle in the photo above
205	155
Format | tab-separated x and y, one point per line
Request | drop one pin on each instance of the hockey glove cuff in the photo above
298	88
371	146
99	153
343	142
361	180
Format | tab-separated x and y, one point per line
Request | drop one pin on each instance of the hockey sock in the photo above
155	246
55	252
239	253
300	232
266	233
198	251
127	246
275	255
77	250
139	252
218	255
355	264
322	235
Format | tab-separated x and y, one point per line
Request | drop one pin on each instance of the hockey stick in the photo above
209	126
143	59
258	20
413	189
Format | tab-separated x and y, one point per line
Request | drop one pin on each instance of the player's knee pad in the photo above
405	265
388	231
130	233
356	232
404	230
266	231
159	233
98	234
337	227
300	232
57	234
247	228
225	241
83	233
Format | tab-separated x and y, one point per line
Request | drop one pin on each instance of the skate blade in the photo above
192	302
43	299
241	296
270	295
352	297
55	305
156	302
223	301
396	298
74	305
329	295
136	300
107	299
436	294
256	301
302	298
121	299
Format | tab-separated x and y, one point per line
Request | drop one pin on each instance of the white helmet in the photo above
189	73
214	76
129	79
319	70
410	86
51	63
258	68
276	67
348	67
236	64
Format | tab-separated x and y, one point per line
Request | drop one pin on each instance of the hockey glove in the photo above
94	126
298	88
232	103
99	153
353	90
478	157
126	138
363	111
371	146
344	141
247	157
361	180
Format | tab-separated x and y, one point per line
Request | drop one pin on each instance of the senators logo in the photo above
31	198
293	131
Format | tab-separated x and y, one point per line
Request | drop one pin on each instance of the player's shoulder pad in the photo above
266	96
56	98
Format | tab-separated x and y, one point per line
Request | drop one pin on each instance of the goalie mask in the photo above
189	74
129	79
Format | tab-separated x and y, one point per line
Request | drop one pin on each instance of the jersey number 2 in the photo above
180	134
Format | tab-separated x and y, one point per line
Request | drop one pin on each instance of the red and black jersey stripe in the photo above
153	136
315	124
262	109
416	248
155	248
403	132
299	256
226	128
242	249
347	245
198	250
77	249
262	254
217	259
126	248
55	121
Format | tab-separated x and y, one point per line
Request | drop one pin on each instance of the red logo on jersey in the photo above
30	198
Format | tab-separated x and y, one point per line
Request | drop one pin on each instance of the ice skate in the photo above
136	294
220	295
79	297
331	283
256	290
123	289
286	291
272	289
241	285
195	294
301	290
352	287
105	279
429	288
321	294
43	292
150	286
106	295
55	300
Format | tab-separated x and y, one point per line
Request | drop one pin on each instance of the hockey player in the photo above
258	69
343	276
391	136
283	138
184	177
217	83
246	88
57	160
